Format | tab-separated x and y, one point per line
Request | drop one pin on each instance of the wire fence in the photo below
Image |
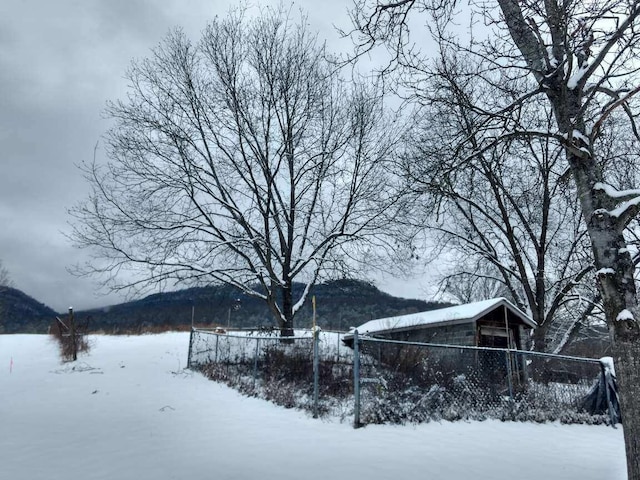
238	346
415	382
311	370
384	381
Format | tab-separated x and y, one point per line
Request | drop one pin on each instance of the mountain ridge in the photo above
340	305
20	313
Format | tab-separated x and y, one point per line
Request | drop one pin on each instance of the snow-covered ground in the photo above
129	410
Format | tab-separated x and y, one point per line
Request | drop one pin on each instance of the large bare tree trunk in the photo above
282	310
286	325
540	338
615	276
627	362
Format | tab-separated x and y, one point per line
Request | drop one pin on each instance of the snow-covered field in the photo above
129	410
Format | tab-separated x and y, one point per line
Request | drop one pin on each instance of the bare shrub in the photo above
71	337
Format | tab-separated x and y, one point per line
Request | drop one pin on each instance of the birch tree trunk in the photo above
604	212
615	276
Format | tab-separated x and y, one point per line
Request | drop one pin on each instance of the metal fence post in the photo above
316	370
215	359
255	361
525	368
356	380
190	347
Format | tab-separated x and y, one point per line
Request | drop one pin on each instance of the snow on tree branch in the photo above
617	194
628	202
625	315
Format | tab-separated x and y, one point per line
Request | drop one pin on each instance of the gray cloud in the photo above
59	63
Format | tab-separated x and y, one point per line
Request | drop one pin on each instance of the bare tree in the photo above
580	59
5	281
5	278
472	281
508	220
243	159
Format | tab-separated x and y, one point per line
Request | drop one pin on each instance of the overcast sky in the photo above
60	61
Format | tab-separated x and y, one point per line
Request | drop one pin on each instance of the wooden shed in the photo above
488	323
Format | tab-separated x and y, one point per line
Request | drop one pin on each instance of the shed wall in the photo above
462	334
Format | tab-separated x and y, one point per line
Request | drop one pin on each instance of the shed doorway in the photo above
503	365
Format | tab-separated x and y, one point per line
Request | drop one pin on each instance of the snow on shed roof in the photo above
459	314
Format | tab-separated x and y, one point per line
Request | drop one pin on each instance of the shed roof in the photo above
469	312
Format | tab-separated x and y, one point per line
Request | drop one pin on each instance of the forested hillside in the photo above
19	313
340	305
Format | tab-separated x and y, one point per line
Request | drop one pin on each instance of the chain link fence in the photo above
308	371
416	382
383	381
